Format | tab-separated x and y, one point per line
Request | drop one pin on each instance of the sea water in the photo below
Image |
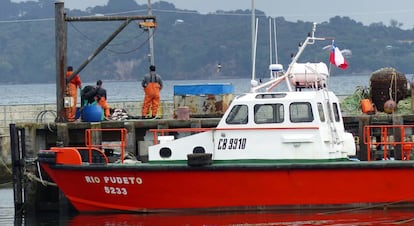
132	90
354	217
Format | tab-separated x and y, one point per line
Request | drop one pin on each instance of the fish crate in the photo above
203	100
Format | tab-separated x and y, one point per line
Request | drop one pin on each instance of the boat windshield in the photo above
268	113
238	115
300	112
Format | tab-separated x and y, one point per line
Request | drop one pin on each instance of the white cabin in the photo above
290	126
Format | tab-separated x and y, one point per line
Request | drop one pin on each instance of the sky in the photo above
365	11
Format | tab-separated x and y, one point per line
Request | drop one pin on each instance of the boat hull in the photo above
160	188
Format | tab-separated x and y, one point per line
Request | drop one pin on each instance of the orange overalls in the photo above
152	97
72	90
105	106
101	100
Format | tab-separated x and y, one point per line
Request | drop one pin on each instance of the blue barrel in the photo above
78	113
92	113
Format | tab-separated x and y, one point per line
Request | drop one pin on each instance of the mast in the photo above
270	44
253	40
151	40
275	35
254	51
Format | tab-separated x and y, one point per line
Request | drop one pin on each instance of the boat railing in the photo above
391	141
90	155
157	133
310	40
95	138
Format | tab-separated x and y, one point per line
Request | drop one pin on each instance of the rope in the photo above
367	207
33	177
4	185
8	170
393	83
390	88
42	116
395	86
39	179
404	221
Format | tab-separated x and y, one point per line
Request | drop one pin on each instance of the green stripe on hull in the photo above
256	161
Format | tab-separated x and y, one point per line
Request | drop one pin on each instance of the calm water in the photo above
132	91
367	217
6	207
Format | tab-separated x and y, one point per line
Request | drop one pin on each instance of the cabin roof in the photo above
284	96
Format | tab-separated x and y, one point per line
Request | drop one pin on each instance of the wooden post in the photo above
96	134
61	45
62	140
397	120
363	121
131	146
17	171
412	95
62	135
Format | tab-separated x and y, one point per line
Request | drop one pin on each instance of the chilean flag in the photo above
337	58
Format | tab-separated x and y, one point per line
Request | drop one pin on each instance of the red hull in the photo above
161	188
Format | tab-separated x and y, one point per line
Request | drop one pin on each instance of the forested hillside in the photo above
187	45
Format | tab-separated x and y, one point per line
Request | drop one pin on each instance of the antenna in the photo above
253	38
270	44
276	55
254	51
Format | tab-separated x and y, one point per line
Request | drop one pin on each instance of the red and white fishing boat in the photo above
284	150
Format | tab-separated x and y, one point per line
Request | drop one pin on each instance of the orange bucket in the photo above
366	106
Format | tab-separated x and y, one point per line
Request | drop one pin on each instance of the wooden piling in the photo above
17	170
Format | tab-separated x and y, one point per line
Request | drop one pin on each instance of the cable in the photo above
96	42
114	51
141	10
28	20
5	166
40	118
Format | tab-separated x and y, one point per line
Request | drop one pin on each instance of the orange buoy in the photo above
366	106
390	106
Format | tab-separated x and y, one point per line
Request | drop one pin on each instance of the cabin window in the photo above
238	115
336	111
321	112
268	113
270	95
300	112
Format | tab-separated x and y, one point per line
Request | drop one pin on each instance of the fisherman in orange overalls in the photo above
101	98
72	90
152	84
